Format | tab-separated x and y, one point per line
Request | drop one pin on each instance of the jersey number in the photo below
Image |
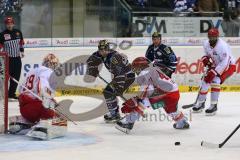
29	82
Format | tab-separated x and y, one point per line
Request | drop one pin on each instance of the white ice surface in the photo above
149	140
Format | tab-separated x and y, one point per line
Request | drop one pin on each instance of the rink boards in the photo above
187	75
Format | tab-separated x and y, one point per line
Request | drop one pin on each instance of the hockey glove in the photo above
129	105
132	105
207	61
210	76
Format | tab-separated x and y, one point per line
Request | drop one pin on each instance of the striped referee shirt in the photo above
12	42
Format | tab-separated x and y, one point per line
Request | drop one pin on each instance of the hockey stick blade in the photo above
209	145
188	106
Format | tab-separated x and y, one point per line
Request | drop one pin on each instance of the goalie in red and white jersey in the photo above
40	114
220	65
157	90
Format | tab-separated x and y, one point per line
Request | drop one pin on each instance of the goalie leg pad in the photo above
49	129
19	125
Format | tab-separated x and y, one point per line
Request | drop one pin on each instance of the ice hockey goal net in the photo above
3	92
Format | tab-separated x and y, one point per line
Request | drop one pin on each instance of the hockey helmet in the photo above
156	35
50	61
103	45
139	64
213	32
213	35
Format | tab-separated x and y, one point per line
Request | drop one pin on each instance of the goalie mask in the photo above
51	61
139	64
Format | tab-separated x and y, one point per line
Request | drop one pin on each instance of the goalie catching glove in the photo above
48	101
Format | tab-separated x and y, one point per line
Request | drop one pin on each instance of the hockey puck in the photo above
177	143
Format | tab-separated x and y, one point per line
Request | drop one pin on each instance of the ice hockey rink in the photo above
150	139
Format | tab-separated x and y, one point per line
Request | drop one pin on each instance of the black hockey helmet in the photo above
103	45
156	35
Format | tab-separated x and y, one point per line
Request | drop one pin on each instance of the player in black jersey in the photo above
161	55
118	65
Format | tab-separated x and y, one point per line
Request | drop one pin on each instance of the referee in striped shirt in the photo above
11	41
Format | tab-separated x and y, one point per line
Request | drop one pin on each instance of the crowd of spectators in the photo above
10	6
228	9
177	6
231	23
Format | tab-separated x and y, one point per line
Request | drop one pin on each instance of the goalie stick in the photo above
212	145
38	97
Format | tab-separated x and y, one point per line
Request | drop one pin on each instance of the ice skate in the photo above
211	111
124	127
198	108
109	118
181	124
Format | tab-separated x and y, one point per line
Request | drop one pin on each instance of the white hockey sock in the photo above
132	117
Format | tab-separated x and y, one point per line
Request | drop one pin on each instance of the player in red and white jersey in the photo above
220	65
37	81
156	91
36	112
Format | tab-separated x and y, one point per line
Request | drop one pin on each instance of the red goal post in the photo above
4	68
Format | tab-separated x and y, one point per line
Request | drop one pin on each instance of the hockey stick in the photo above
38	97
212	145
125	99
193	104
